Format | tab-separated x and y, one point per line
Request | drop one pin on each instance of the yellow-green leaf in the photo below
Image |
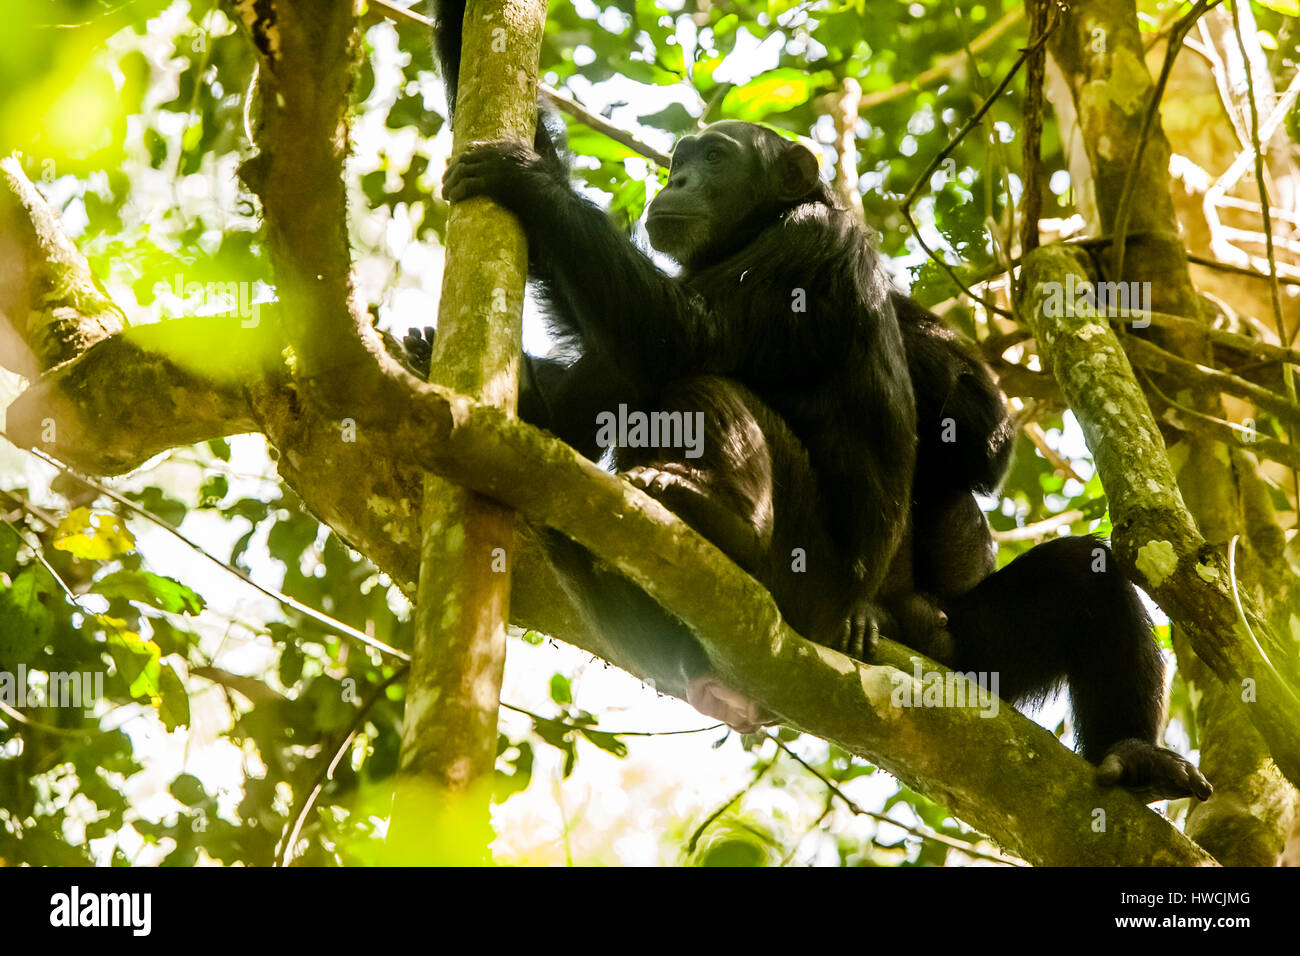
93	536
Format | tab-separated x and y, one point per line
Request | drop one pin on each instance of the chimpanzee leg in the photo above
718	458
734	484
722	467
1063	611
958	551
947	552
652	642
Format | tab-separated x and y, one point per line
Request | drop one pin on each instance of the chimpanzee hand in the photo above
860	631
419	349
508	173
913	619
1152	772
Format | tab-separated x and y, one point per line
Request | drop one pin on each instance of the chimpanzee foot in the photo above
655	481
700	509
1152	772
714	699
919	622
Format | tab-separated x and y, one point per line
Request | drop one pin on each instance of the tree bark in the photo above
450	733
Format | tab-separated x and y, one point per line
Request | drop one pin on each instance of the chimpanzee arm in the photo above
609	293
966	434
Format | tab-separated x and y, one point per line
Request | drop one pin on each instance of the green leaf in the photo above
160	505
188	790
291	661
606	742
170	639
512	775
213	489
733	853
410	111
152	590
289	538
136	660
774	92
559	736
193	135
561	691
932	284
26	621
172	701
10	542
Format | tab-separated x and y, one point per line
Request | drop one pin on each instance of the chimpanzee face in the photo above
720	179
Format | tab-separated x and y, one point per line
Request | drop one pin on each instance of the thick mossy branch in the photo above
308	51
449	732
1155	359
186	379
52	307
1253	810
1155	535
1114	97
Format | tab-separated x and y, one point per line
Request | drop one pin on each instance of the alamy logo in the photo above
1111	300
218	298
651	430
61	689
947	689
75	908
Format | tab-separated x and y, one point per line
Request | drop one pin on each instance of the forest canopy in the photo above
217	472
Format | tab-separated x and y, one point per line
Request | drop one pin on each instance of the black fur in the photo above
845	432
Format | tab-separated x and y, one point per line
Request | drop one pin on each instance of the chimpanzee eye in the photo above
714	155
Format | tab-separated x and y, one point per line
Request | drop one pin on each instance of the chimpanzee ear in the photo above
796	172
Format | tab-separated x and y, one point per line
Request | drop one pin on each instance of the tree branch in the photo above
1155	536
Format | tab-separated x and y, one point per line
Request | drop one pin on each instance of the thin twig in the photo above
924	178
553	96
844	111
1238	270
603	126
922	834
944	67
1266	352
1032	128
612	733
1226	432
1288	379
336	626
1034	432
694	841
1039	529
1152	357
326	771
44	728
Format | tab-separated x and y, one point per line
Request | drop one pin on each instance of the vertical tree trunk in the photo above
450	733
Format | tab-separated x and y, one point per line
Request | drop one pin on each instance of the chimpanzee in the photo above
844	431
